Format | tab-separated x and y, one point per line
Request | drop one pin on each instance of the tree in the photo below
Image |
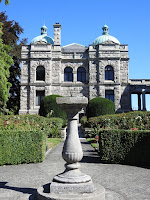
6	2
99	106
11	32
49	108
5	63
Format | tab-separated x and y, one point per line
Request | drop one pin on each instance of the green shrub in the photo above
125	146
138	119
99	106
55	129
18	147
83	121
49	108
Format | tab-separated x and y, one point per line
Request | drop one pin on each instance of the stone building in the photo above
101	69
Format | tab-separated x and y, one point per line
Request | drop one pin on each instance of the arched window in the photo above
109	94
40	73
81	74
109	73
68	75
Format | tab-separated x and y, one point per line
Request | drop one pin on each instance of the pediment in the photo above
74	47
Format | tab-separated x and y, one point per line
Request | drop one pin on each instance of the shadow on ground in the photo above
30	191
90	159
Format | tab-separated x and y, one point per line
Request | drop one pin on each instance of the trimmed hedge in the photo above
18	147
99	106
49	108
125	146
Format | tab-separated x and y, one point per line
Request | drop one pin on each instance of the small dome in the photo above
105	37
44	27
43	38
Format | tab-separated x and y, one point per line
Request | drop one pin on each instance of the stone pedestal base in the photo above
98	194
72	176
72	188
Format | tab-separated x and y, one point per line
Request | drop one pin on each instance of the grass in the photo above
52	142
93	143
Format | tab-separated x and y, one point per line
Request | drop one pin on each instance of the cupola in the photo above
44	30
43	38
105	37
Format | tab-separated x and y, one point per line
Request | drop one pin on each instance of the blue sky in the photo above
82	21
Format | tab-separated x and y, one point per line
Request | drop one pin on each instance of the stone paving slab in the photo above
19	182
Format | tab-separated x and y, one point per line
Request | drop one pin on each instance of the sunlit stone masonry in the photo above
101	69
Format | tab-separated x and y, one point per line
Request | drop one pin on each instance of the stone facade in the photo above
93	60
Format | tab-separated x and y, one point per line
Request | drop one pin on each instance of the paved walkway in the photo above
19	182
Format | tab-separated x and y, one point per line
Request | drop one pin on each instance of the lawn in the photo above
52	142
93	143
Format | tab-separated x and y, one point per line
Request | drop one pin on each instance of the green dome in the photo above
105	37
44	38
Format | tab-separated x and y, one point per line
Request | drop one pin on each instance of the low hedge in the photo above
125	146
18	147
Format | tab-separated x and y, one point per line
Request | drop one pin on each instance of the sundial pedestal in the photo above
72	184
72	180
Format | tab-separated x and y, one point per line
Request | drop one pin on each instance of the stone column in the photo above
75	76
144	100
130	101
139	101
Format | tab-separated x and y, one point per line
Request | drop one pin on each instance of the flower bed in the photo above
126	121
50	126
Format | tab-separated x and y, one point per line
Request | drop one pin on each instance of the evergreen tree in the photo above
5	63
11	32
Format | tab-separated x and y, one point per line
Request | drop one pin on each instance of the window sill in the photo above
108	81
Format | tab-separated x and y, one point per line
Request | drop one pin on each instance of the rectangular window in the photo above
39	97
109	94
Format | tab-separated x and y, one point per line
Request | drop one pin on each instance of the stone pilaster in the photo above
117	96
24	92
32	99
